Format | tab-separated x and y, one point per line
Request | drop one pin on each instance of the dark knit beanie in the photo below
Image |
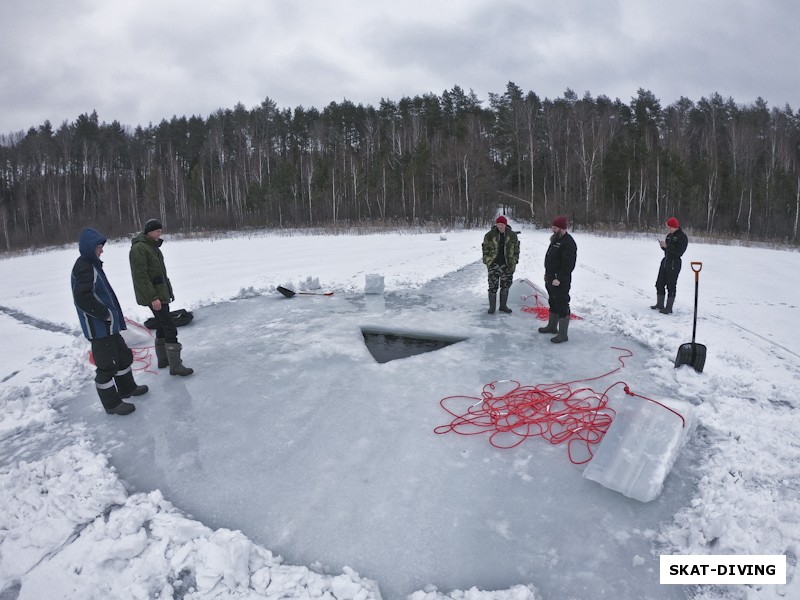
152	225
560	222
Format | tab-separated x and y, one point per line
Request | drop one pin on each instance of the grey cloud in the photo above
152	59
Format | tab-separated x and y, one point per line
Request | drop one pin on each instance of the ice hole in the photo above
386	345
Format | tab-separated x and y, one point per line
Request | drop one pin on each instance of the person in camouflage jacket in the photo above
500	255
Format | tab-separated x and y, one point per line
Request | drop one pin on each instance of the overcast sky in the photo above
141	61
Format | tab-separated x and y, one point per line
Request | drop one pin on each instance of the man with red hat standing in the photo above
559	262
673	246
500	255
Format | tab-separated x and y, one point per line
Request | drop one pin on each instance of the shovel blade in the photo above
691	354
285	291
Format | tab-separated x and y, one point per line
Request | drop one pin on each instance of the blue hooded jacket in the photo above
94	298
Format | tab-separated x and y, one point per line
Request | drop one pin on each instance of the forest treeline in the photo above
440	160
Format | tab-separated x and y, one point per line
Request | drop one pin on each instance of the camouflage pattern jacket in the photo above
491	248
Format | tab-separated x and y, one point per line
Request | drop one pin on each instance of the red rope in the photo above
555	412
142	354
541	311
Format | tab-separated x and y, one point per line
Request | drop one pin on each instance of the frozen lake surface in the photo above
291	432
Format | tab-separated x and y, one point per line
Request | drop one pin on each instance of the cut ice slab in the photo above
640	447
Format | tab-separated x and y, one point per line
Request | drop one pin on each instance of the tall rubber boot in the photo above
552	324
126	386
492	302
161	353
112	403
563	326
503	301
659	302
176	366
667	310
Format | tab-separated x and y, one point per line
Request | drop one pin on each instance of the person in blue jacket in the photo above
101	321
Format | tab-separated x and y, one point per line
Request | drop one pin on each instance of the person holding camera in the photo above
674	245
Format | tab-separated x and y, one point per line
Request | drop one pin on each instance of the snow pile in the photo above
68	525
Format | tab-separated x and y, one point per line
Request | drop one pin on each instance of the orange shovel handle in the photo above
697	270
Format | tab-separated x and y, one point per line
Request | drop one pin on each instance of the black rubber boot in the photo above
161	353
667	310
112	403
492	302
659	302
552	324
176	366
126	386
122	409
503	301
563	327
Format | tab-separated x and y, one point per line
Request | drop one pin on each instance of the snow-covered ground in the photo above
348	492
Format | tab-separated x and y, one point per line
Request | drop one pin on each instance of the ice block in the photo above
640	447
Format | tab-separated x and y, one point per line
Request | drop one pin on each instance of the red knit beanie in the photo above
560	222
501	219
673	222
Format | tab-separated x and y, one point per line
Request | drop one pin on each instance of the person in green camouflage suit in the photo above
500	255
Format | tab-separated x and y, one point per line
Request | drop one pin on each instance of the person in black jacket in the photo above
101	321
559	262
673	246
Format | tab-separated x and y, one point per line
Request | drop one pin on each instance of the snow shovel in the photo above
289	293
693	354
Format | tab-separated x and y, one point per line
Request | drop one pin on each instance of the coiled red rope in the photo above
541	311
556	412
141	354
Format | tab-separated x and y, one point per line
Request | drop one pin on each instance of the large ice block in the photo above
640	447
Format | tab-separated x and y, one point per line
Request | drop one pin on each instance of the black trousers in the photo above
166	324
668	275
111	355
558	296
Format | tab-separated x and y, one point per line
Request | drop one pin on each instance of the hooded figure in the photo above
102	320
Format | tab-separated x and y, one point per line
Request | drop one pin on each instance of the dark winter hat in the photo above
501	219
673	222
152	225
560	222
